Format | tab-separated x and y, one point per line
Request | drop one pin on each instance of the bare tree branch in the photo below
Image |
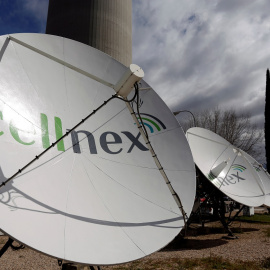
235	128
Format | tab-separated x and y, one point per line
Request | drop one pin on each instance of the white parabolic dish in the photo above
263	176
97	197
228	168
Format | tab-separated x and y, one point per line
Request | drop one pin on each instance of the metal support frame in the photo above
70	266
194	119
230	220
8	244
219	209
215	198
55	143
158	164
93	268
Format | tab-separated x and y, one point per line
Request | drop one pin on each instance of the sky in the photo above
195	54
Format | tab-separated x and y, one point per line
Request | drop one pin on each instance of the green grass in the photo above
263	218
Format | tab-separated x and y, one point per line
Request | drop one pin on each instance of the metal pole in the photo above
176	113
6	246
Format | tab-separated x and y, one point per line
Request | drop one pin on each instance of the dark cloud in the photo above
231	5
203	54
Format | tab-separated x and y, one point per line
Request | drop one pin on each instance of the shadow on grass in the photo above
194	244
217	230
180	243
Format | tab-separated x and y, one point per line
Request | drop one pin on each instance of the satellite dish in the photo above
226	167
98	196
263	176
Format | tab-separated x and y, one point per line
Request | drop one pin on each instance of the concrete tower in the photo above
103	24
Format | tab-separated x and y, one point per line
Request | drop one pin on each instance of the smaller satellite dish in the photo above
228	168
262	174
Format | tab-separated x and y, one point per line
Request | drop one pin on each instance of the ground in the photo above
200	249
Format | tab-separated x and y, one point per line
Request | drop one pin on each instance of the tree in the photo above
235	128
267	121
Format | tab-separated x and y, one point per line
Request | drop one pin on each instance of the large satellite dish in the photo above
227	167
98	196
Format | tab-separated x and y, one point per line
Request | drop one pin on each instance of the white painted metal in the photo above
97	197
263	176
126	84
158	164
236	176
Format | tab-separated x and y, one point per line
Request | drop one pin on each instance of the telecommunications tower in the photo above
102	24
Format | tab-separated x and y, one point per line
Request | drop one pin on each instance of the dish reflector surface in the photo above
226	167
263	176
97	197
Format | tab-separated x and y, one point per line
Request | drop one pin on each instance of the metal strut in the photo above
115	96
160	168
230	220
93	268
6	246
55	143
69	266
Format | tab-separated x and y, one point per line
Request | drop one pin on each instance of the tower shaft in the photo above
103	24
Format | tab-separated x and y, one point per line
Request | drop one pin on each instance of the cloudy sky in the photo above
202	54
196	54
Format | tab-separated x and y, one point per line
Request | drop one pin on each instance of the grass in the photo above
262	218
212	262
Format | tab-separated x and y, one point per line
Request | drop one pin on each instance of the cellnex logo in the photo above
211	176
152	122
232	178
256	167
237	167
106	139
